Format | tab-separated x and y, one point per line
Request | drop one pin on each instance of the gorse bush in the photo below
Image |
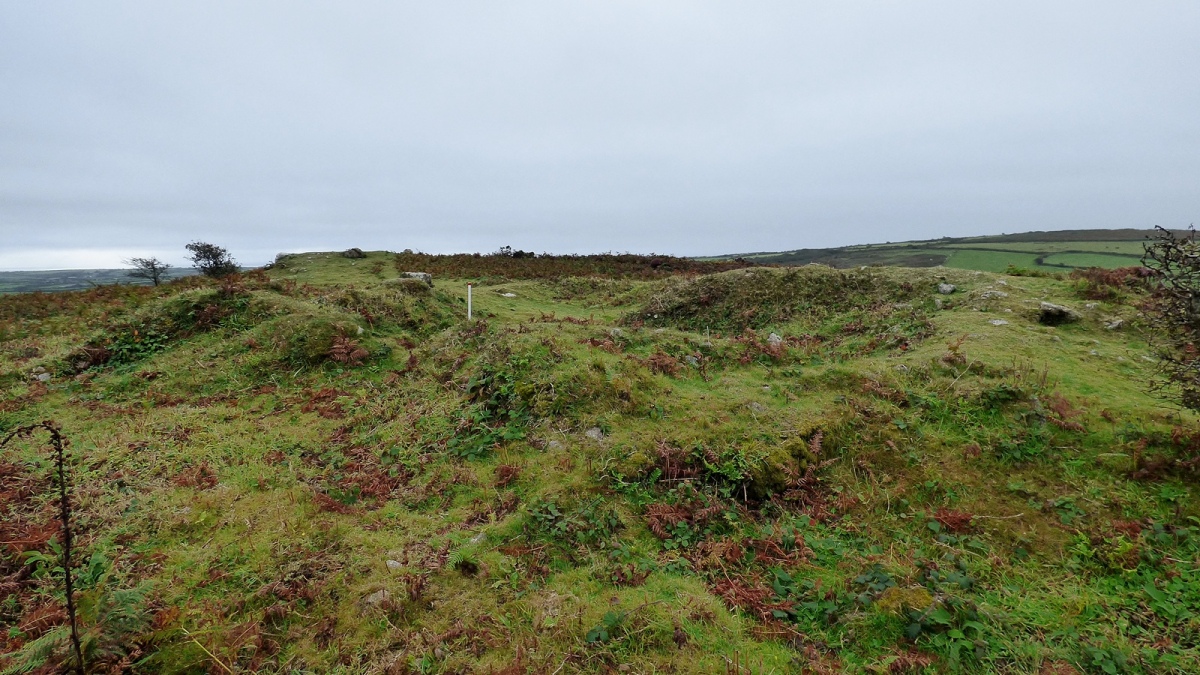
1173	308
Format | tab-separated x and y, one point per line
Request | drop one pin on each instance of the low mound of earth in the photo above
325	467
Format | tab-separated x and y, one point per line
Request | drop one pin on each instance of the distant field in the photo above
73	280
990	261
1091	260
1133	248
1060	251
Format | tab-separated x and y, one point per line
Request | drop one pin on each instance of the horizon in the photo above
183	264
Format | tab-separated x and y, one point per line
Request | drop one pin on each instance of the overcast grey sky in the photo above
131	128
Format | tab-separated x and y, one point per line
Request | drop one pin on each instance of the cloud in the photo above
681	127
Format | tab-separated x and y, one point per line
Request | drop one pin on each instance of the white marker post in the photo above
468	302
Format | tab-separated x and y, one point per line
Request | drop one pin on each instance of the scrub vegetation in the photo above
619	466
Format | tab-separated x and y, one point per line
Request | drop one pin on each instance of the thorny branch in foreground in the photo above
1173	312
64	507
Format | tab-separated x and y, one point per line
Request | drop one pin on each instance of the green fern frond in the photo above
35	654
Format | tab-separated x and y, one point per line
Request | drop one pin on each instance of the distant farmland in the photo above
1060	251
74	280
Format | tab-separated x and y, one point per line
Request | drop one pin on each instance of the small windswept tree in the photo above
211	260
151	269
1173	313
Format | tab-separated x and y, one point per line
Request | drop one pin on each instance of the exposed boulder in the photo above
423	276
946	289
1050	314
353	253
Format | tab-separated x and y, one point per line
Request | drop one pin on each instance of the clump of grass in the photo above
757	298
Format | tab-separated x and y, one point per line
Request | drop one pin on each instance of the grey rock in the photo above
423	276
998	322
946	289
615	333
1114	324
991	295
692	361
554	445
377	598
594	433
1050	314
394	565
353	253
1094	353
43	377
774	339
508	295
756	407
937	302
1092	305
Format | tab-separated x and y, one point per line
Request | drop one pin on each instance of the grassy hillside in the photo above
1061	251
325	468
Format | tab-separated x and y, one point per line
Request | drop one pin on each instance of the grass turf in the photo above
324	469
